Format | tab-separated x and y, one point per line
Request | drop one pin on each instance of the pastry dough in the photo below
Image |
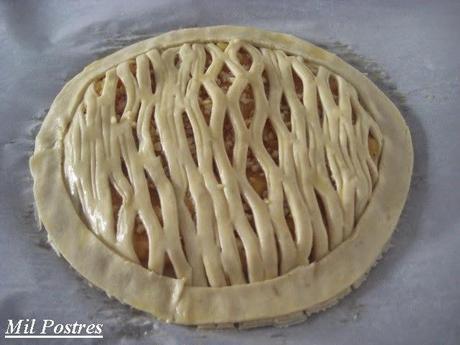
222	175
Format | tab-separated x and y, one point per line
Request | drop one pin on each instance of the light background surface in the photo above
409	48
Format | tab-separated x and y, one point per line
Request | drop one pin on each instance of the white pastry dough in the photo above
265	174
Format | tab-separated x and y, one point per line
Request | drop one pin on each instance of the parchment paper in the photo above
410	49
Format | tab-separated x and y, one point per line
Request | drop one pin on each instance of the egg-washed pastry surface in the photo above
222	175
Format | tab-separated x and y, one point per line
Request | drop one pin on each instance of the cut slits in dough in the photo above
222	175
225	78
254	140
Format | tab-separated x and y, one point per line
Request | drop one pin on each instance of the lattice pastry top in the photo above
221	175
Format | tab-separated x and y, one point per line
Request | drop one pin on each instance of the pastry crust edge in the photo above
305	289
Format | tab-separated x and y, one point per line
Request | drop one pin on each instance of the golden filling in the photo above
254	172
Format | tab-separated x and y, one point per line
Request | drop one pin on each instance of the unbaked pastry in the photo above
222	175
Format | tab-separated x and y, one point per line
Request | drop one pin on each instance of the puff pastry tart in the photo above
222	175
